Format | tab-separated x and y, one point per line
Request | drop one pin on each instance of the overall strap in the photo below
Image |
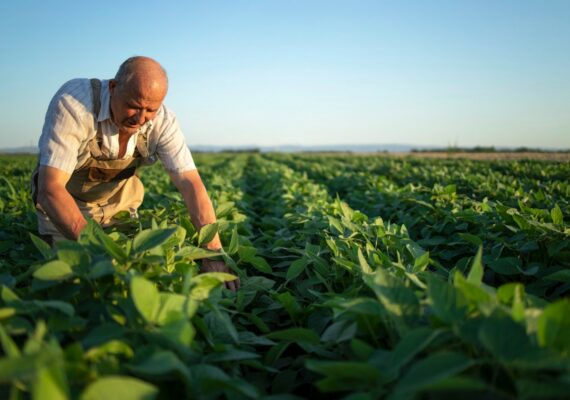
96	97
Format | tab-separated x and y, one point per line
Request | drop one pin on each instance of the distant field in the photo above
363	277
549	156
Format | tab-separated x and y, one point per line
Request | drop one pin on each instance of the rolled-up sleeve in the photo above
66	126
171	147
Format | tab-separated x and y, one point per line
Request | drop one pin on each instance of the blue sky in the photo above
466	73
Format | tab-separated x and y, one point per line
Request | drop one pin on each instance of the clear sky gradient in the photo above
308	72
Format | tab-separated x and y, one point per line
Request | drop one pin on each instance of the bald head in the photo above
137	93
142	73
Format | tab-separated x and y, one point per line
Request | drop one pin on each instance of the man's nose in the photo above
141	117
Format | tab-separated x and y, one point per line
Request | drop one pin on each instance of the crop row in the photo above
334	302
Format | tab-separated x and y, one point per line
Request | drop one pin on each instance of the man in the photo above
96	134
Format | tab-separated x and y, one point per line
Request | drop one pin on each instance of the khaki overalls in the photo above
101	187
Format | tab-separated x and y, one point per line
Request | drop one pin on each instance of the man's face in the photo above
133	105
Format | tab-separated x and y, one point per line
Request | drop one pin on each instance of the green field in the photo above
363	277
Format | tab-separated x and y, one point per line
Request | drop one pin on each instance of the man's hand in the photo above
57	203
220	266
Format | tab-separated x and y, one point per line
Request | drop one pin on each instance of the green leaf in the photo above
115	347
431	370
224	209
345	375
296	268
160	363
145	296
207	233
260	264
54	271
296	335
506	266
119	387
93	233
554	326
174	306
44	248
203	284
8	345
191	253
150	238
399	301
363	263
411	344
505	339
289	303
468	237
234	242
476	273
557	216
180	331
50	383
448	303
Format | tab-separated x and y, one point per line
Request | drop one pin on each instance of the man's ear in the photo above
112	85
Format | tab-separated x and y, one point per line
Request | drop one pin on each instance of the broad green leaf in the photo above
230	354
431	370
115	347
411	344
27	365
234	242
543	388
289	303
476	272
224	209
150	238
145	296
207	233
554	326
10	348
296	268
557	216
399	301
296	335
363	263
50	383
505	339
54	271
476	240
7	295
174	306
447	302
93	233
119	387
506	266
160	363
204	283
179	331
260	264
559	276
345	375
44	248
221	326
191	253
340	331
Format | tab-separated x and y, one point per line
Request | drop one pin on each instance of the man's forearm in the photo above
58	204
198	203
63	212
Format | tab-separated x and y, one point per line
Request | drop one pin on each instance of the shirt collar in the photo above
105	111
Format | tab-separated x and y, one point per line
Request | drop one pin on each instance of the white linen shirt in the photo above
70	125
